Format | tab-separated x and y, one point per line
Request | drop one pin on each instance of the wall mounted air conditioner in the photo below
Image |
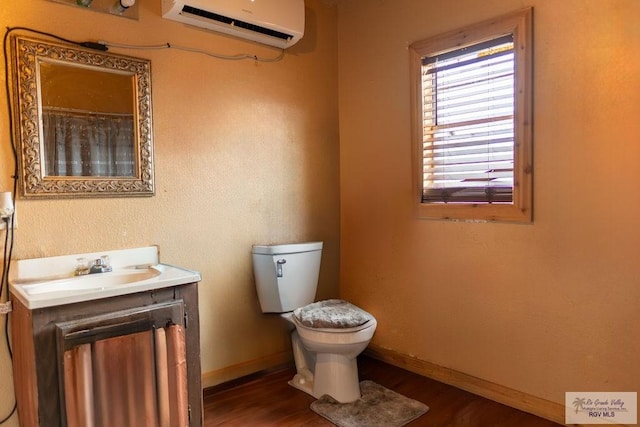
277	23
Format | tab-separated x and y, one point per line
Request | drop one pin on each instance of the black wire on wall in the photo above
9	223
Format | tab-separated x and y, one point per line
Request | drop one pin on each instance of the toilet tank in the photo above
286	275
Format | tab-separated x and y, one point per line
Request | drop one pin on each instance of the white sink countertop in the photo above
51	281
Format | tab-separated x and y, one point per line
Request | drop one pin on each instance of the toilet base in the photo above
301	383
333	374
337	376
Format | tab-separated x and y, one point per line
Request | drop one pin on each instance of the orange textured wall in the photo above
542	308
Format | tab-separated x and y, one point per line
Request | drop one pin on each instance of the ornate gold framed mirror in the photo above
83	121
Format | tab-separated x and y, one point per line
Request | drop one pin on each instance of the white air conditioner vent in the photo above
277	23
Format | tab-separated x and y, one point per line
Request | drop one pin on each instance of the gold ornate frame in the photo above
27	110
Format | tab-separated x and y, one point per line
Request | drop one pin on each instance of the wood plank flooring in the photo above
267	400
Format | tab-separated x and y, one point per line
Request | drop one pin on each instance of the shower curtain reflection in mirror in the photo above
88	144
83	121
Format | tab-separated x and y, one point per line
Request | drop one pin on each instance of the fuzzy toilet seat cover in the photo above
331	314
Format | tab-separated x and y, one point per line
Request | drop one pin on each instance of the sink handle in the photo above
82	267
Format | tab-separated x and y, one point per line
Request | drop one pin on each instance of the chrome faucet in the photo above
100	265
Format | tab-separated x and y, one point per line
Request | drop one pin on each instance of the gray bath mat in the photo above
378	407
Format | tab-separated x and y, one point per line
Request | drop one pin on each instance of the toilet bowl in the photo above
328	335
334	370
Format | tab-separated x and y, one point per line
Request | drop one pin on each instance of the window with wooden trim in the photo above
472	100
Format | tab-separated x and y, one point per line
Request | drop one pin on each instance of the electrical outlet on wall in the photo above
15	220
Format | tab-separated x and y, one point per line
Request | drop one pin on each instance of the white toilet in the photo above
328	335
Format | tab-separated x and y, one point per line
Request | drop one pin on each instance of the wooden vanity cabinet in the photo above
40	337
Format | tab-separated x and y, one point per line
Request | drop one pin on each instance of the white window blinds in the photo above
468	124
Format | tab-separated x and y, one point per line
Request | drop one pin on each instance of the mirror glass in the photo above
87	131
85	121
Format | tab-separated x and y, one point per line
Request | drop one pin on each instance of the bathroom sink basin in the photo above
51	281
88	282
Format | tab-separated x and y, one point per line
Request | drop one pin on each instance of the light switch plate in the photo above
104	6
